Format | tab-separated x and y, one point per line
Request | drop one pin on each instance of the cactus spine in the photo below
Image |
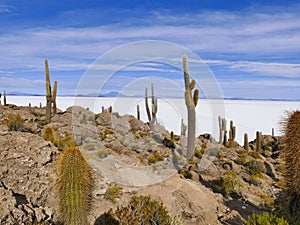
246	142
74	187
258	141
191	100
151	116
4	98
291	158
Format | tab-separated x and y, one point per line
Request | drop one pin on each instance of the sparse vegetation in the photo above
155	157
227	183
113	193
14	122
103	153
265	219
141	210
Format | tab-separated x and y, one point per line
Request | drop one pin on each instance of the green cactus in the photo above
4	98
74	186
191	100
291	157
258	141
48	93
138	112
54	97
232	134
246	143
151	116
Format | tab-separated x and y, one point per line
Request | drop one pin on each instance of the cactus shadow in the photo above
106	219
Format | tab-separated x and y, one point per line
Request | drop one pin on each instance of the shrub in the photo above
155	157
103	153
265	219
255	179
113	192
227	183
255	167
143	210
176	220
186	173
14	122
48	134
255	154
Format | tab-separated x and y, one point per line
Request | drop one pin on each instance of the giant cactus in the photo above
191	100
291	157
74	186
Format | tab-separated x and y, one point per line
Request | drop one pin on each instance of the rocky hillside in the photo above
222	185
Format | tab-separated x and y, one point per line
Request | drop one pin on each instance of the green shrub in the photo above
255	155
103	153
265	219
48	134
176	220
227	183
255	179
142	210
155	157
113	192
14	122
186	173
255	167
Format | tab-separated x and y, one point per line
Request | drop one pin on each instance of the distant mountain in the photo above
15	93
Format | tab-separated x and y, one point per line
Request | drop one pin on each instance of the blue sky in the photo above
252	47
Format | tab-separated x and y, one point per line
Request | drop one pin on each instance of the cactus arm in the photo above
54	97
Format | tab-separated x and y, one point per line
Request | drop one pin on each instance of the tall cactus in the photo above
291	158
4	98
232	134
138	113
154	106
74	186
191	100
258	141
224	128
48	93
54	97
246	142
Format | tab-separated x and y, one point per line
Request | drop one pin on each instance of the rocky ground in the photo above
222	185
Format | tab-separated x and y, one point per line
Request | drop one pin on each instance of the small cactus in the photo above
138	112
74	186
232	134
258	141
4	98
246	143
